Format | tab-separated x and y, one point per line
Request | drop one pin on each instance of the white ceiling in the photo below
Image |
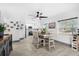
47	8
22	10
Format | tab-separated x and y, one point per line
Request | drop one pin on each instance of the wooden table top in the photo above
44	35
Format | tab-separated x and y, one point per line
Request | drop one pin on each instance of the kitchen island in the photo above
6	45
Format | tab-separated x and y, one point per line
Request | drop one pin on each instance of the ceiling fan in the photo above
39	15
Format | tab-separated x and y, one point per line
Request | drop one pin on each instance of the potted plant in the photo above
2	28
43	31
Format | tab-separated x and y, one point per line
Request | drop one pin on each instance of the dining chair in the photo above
49	41
37	41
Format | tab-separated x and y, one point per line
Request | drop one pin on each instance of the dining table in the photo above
44	36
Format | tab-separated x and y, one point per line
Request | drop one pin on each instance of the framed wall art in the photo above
11	21
14	24
17	28
52	25
11	27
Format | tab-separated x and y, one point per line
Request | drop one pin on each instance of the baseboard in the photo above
63	43
16	41
21	38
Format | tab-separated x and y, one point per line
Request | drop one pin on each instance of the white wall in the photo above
12	13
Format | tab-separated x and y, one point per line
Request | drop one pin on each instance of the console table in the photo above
6	45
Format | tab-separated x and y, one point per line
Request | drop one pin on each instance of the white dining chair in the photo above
49	41
36	40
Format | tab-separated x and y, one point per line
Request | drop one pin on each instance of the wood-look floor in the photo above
26	48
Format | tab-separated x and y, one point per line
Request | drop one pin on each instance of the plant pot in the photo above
1	34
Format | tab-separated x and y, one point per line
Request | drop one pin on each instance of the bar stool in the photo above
49	41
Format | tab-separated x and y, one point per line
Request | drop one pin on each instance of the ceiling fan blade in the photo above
43	17
31	15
